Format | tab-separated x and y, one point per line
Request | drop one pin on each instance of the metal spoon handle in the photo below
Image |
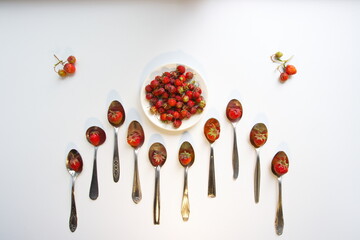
279	220
185	205
94	187
73	215
116	162
212	184
157	196
257	178
136	190
235	157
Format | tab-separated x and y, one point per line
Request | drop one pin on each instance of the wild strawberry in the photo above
280	165
178	82
290	69
182	78
148	88
149	96
189	75
159	104
189	94
167	74
163	117
180	89
165	79
176	115
179	104
158	78
284	76
177	123
234	113
184	113
75	164
193	110
154	83
165	95
158	91
190	103
191	86
71	59
174	74
197	89
69	68
180	69
169	117
196	95
62	73
94	138
135	139
115	117
171	102
185	158
161	110
185	98
212	130
153	110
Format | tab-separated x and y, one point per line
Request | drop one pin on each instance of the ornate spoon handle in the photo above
157	196
185	205
116	162
279	220
212	184
235	157
94	187
73	216
257	177
136	191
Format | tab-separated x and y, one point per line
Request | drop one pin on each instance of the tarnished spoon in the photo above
258	137
234	113
96	136
212	133
135	138
74	165
279	166
157	157
186	159
116	117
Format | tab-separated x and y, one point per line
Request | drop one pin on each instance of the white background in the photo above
314	117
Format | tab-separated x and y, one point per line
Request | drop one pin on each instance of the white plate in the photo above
155	118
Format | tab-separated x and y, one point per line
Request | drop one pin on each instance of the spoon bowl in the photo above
258	137
135	138
157	157
186	159
234	112
116	117
74	165
212	133
279	167
96	137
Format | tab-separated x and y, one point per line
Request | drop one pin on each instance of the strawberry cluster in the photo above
285	69
68	66
175	96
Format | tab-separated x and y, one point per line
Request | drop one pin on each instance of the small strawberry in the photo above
177	123
115	117
180	69
284	76
94	138
290	69
185	158
189	75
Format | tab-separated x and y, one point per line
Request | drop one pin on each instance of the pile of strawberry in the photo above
175	96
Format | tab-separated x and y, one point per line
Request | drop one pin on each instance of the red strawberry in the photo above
290	69
284	76
180	69
94	138
177	123
171	102
189	75
115	117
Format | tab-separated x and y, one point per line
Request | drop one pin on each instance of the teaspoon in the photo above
258	137
116	117
135	138
96	137
74	165
186	159
212	133
157	157
234	113
279	166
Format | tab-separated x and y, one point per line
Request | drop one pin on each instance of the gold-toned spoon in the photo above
96	137
157	157
186	159
258	137
212	133
279	166
116	117
234	113
74	165
135	138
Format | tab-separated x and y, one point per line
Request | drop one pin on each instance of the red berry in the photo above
94	138
178	82
69	68
75	164
177	123
196	95
71	59
148	88
182	78
165	79
62	73
172	102
176	115
180	69
169	117
290	69
284	76
163	117
154	83
189	75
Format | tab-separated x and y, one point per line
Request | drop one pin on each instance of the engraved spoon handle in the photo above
185	205
116	161
73	215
